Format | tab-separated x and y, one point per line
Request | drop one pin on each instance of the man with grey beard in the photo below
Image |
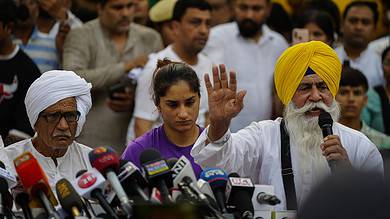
306	78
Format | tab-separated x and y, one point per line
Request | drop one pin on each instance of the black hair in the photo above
371	5
280	21
384	53
329	7
353	77
8	11
169	73
102	2
323	20
181	7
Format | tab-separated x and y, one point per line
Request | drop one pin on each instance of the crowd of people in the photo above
234	84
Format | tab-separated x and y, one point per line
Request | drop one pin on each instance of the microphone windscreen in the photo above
89	181
103	159
68	196
325	119
25	165
216	177
129	171
156	169
149	155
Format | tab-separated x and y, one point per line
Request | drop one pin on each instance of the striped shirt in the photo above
41	48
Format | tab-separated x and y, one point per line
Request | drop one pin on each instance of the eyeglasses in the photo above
56	117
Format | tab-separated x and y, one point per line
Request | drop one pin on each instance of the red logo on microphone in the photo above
86	180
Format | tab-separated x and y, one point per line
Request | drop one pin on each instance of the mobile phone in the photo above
116	88
300	35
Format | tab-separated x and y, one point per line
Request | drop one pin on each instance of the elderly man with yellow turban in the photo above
289	153
57	104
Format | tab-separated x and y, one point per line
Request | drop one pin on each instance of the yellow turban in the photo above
293	63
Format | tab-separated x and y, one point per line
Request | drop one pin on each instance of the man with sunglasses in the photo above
56	104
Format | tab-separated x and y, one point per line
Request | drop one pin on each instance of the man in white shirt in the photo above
105	51
191	23
250	47
57	104
359	22
306	78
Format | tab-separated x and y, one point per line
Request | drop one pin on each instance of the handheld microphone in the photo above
36	185
209	203
205	188
182	168
90	185
106	161
325	122
157	172
264	198
86	205
217	179
175	192
8	176
239	192
132	180
22	199
69	199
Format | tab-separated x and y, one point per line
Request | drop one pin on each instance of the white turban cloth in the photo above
53	86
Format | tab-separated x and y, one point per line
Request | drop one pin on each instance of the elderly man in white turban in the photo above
57	104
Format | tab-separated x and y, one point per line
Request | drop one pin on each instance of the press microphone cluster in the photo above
118	189
106	161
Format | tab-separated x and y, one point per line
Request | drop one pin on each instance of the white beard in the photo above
306	134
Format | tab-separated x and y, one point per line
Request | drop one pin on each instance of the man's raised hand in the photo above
224	100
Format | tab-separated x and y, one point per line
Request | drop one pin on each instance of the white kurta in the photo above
369	63
254	63
255	152
74	160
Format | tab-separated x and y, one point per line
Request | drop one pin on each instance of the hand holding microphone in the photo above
332	148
